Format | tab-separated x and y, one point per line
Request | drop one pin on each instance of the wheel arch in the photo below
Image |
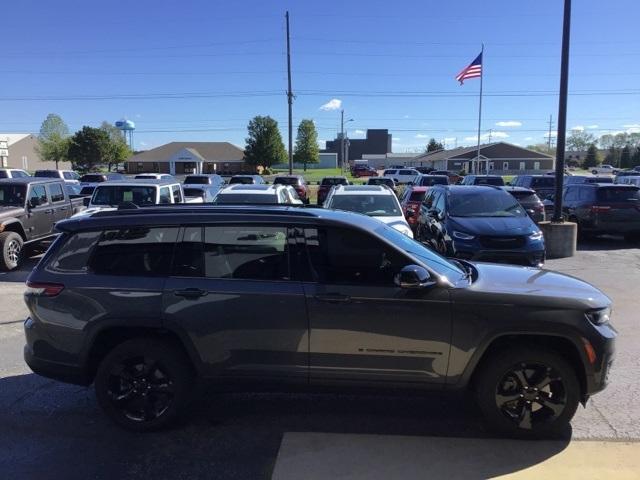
14	226
561	345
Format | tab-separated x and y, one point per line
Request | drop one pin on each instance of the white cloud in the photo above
516	143
396	139
497	135
406	116
592	127
509	123
421	135
359	132
485	136
578	128
528	139
632	125
333	104
450	139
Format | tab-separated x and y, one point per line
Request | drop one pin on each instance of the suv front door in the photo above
231	294
361	325
39	220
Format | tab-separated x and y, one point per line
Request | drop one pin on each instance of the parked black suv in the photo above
141	302
544	185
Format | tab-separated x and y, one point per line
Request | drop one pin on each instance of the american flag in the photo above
474	70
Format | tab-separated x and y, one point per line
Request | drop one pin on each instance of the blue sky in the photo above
199	70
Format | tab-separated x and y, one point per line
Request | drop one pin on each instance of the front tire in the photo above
528	393
144	384
11	245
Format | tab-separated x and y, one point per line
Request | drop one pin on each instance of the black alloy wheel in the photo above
531	394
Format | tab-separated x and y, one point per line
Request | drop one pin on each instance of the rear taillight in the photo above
44	289
600	208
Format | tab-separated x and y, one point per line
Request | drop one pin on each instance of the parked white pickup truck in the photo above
604	168
110	195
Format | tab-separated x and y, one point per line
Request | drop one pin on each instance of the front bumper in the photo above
602	338
528	258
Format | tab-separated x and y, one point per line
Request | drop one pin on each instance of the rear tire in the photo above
11	245
528	393
144	384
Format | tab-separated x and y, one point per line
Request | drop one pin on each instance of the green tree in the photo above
264	143
579	141
635	158
592	160
625	157
118	150
434	145
306	149
88	148
53	141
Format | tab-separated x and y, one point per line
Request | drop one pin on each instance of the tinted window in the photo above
189	254
87	190
492	203
193	192
406	172
417	196
439	202
389	172
525	197
38	191
286	181
242	180
47	174
489	181
248	198
381	181
344	256
115	195
165	195
4	174
549	181
138	251
73	256
91	178
196	180
618	195
177	194
372	205
586	193
429	180
12	195
249	252
55	190
571	194
334	181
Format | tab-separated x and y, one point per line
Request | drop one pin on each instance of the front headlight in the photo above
599	316
536	235
463	236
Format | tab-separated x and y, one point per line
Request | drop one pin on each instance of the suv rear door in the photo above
362	327
231	293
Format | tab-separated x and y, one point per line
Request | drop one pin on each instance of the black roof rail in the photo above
185	208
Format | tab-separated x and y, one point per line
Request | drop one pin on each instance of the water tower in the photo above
127	127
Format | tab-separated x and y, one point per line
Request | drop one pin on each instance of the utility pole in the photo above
562	112
289	96
490	134
342	139
550	127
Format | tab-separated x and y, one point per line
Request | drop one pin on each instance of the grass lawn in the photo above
314	176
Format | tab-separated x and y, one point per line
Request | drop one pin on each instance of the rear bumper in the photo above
57	371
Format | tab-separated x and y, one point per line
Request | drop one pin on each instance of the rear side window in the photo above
406	172
70	175
74	254
389	172
618	195
525	197
47	174
55	190
177	195
549	181
137	251
234	251
3	174
165	195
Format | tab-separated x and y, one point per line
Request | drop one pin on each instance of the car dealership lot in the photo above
48	426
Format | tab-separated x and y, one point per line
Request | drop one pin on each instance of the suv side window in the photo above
177	195
350	257
73	256
585	193
39	192
405	172
439	202
165	195
56	193
136	251
571	194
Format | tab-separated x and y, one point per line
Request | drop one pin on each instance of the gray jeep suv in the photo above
142	302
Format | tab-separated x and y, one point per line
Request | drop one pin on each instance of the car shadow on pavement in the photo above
228	435
606	242
20	274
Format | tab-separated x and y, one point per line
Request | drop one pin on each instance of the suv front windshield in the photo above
196	180
439	264
12	195
488	204
115	195
372	205
285	181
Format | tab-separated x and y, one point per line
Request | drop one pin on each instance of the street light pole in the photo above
289	97
562	112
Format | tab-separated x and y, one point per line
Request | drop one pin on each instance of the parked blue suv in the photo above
482	223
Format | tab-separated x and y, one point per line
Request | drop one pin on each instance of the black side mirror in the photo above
414	277
34	202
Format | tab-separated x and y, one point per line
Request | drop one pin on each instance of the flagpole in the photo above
477	166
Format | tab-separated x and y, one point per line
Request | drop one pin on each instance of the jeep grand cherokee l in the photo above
142	302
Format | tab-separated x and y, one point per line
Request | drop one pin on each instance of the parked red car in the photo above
298	183
364	171
326	184
411	200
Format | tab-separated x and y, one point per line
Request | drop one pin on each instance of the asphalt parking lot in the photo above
52	430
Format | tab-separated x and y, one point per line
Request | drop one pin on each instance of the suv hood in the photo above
493	225
537	286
